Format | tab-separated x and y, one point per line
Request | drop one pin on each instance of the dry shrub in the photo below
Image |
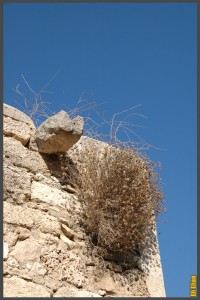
121	197
119	188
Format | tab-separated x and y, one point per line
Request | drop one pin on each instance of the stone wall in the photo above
46	250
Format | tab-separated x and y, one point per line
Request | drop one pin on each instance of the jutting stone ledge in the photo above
57	134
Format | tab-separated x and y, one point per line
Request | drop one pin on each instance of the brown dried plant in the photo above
121	196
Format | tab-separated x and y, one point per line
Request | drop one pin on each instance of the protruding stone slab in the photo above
58	133
70	244
68	232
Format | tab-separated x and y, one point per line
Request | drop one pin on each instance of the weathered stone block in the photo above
67	266
70	244
16	154
27	251
17	115
17	184
43	193
58	133
71	292
5	251
68	232
18	130
17	287
17	215
31	218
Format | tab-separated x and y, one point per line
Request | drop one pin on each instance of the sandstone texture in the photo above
58	133
21	288
67	292
16	124
46	250
5	251
16	114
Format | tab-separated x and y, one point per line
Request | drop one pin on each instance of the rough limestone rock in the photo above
16	179
17	287
21	132
66	292
43	193
16	114
47	252
27	251
15	154
5	250
31	218
58	133
70	244
17	125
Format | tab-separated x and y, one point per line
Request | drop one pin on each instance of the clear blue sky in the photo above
124	55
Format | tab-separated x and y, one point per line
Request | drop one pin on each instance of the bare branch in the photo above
28	85
48	83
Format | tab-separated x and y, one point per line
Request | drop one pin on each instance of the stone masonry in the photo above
46	250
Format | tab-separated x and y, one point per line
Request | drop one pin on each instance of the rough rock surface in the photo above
67	292
20	131
16	114
46	249
16	124
58	133
21	288
15	154
5	251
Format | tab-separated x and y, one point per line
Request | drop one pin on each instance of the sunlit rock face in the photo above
58	133
47	249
